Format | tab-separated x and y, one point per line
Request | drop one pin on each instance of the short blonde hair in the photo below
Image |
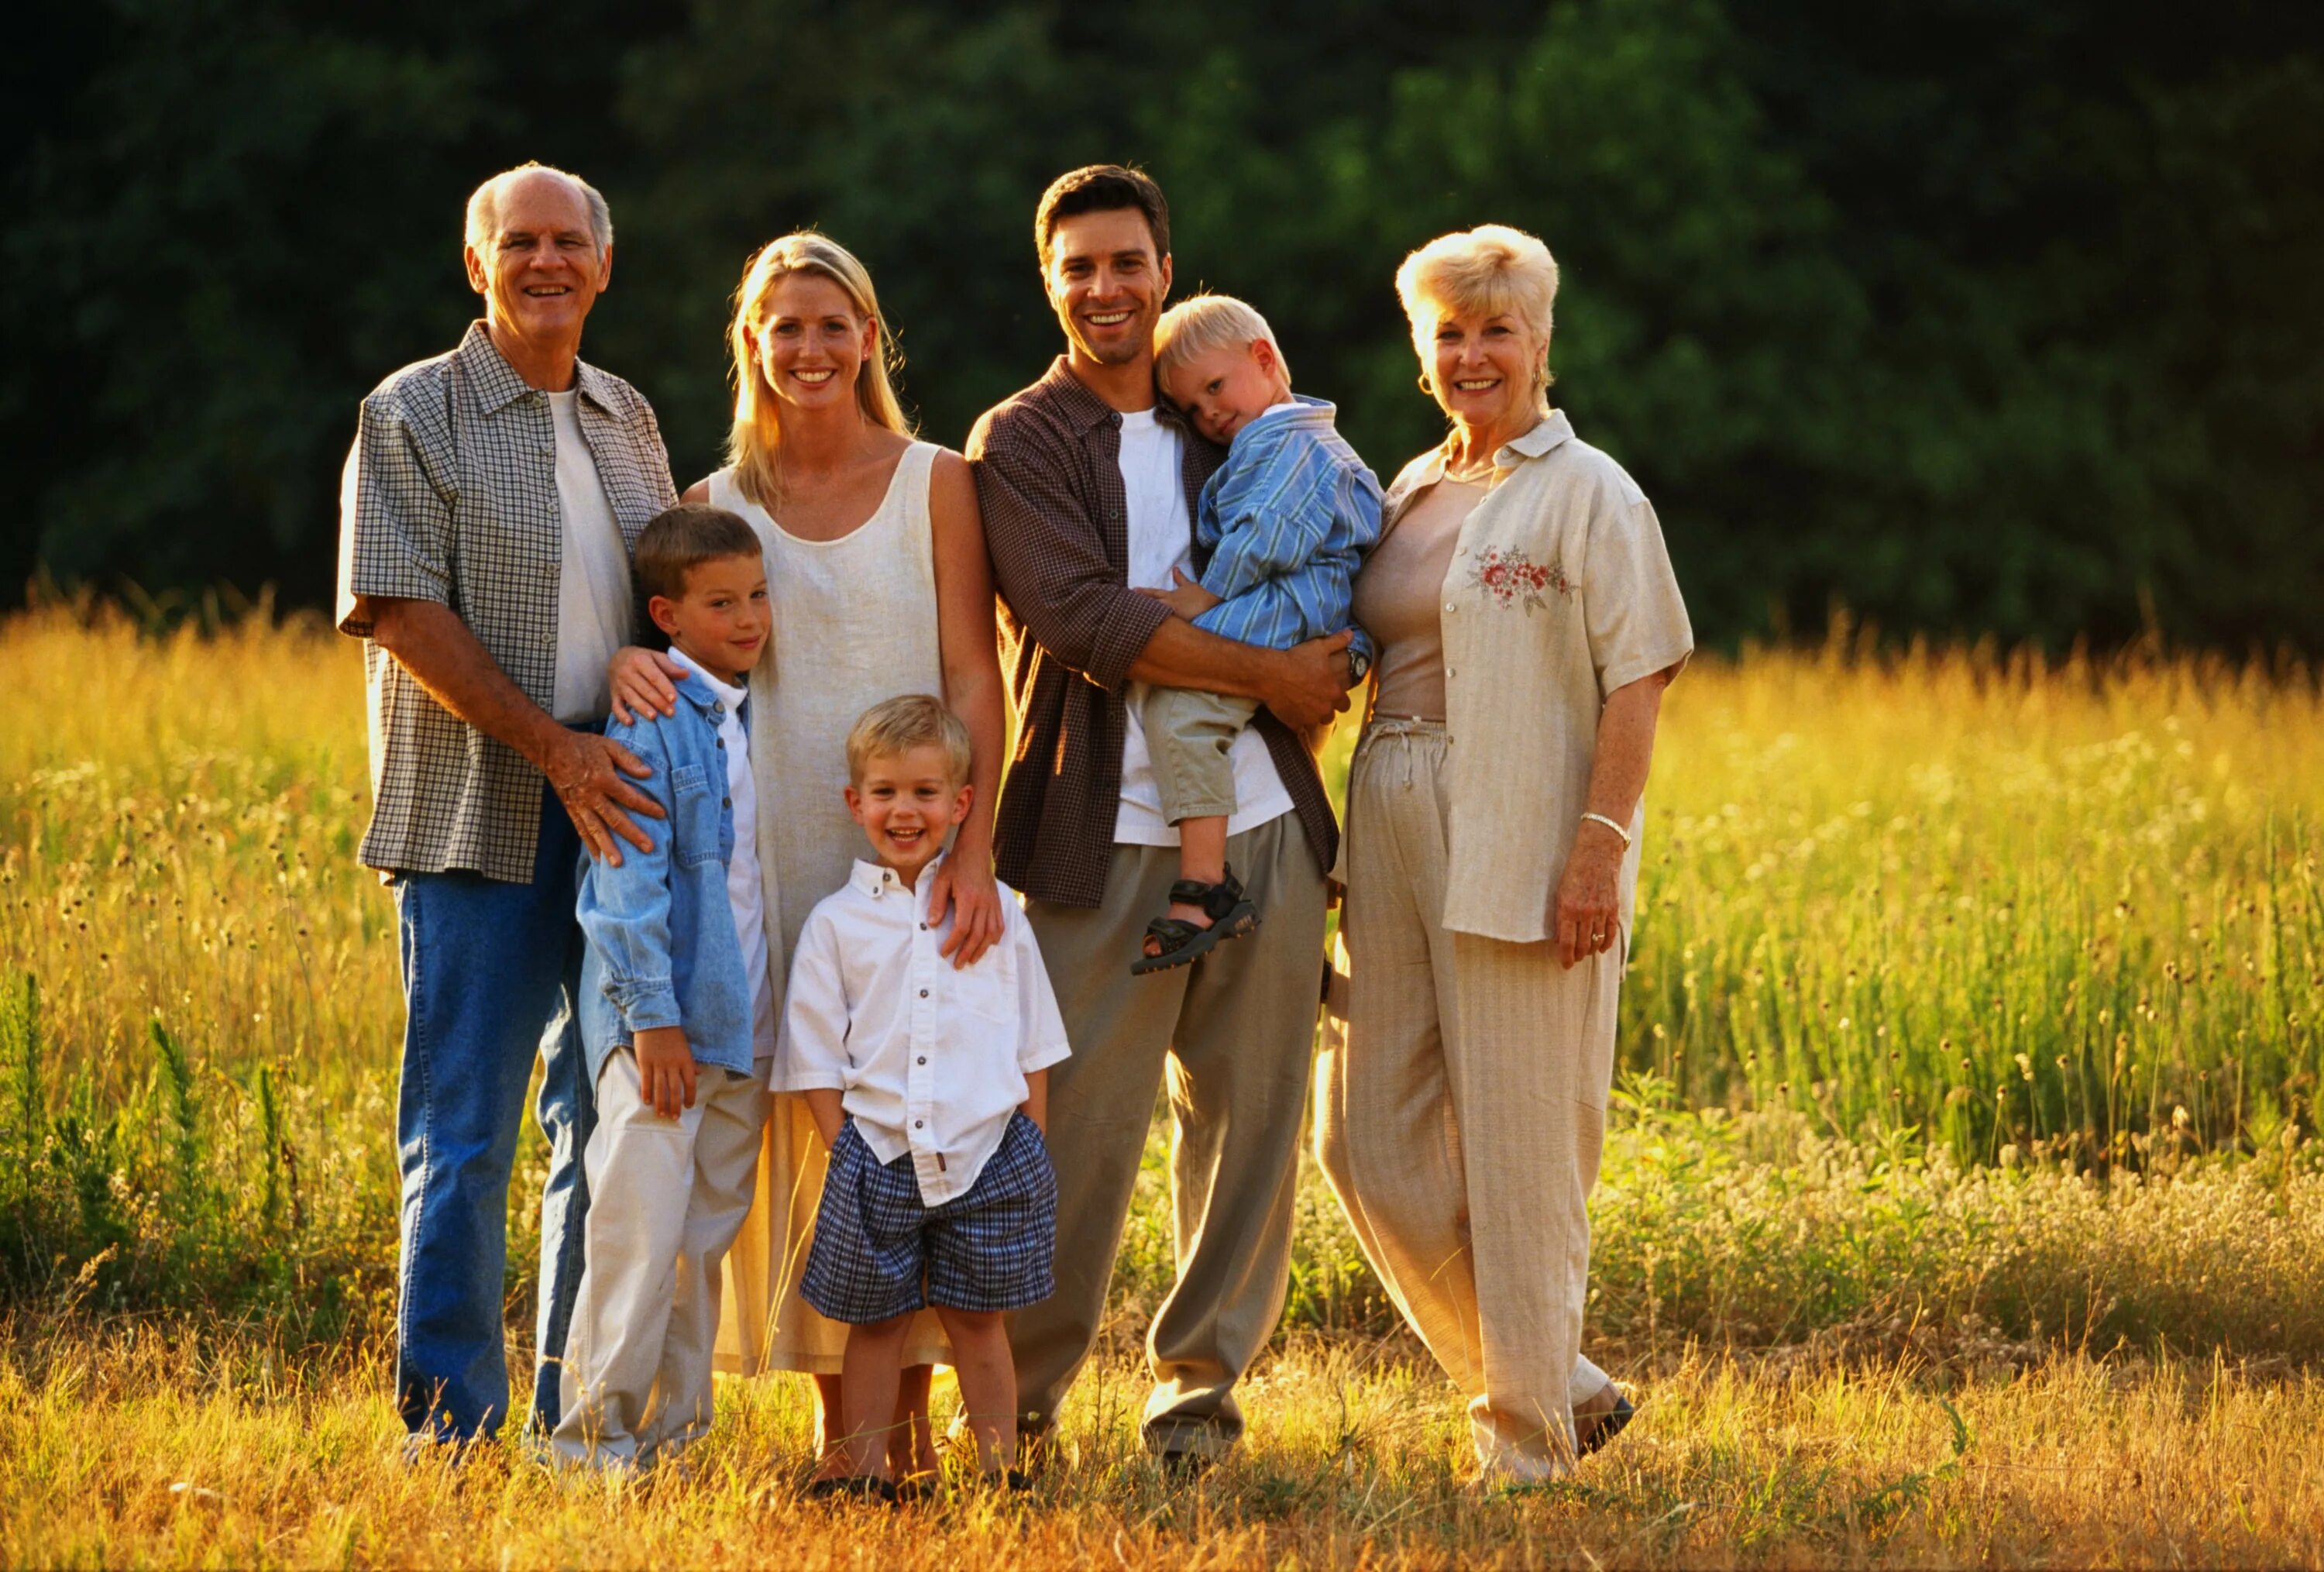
1485	271
754	446
897	725
1201	323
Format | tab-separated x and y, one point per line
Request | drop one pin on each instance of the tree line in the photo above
1975	318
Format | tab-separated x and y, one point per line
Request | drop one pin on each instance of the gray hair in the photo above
483	205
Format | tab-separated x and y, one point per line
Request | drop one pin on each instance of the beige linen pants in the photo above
1460	1114
672	1194
1234	1032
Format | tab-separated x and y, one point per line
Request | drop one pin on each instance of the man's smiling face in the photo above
1106	284
541	270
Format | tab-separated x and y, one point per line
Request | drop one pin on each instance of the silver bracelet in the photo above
1610	824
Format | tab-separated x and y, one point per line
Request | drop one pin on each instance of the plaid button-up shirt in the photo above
450	495
1048	463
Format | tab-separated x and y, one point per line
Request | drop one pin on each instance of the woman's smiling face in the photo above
1484	368
811	343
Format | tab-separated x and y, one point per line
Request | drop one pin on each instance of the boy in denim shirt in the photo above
677	1018
1282	526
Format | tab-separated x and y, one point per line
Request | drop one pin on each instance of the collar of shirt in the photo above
1085	409
706	691
497	384
880	882
1550	432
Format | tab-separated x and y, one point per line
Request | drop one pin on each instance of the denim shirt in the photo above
1286	521
662	945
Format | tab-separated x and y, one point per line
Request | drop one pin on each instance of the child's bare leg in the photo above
912	1444
1202	857
868	1377
826	1415
988	1383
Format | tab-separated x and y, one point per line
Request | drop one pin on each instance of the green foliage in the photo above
1982	318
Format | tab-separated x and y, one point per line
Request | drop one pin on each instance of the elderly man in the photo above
488	509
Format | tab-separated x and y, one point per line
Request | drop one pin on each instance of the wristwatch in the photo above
1359	665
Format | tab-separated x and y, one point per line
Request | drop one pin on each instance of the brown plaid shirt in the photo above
1049	479
450	495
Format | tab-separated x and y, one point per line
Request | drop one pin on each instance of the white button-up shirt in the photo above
744	893
930	1059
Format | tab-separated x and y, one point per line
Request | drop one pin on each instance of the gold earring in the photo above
1427	386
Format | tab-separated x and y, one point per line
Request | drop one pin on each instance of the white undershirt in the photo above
593	583
744	894
1161	538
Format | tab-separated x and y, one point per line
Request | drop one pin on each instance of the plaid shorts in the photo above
880	1251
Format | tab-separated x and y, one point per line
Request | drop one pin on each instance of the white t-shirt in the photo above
1161	538
745	895
593	586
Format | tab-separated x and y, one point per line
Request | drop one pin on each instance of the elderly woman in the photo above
1527	621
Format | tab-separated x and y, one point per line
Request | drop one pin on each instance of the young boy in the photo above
677	1018
929	1084
1284	523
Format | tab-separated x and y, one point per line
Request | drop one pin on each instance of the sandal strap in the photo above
1215	900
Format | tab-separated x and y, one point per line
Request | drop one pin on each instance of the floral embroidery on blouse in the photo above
1514	578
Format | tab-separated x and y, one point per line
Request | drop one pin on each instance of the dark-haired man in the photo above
1088	486
486	517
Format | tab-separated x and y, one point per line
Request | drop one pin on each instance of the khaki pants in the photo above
637	1378
1190	737
1460	1116
1234	1031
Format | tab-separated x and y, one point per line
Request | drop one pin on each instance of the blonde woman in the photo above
880	585
1527	621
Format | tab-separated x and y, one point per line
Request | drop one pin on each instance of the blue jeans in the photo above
491	976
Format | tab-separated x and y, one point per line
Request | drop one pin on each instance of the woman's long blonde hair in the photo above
755	445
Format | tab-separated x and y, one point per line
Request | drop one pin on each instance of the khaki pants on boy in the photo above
1232	1035
1460	1113
1190	737
637	1377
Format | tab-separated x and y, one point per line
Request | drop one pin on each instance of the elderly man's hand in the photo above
1588	917
585	772
1310	682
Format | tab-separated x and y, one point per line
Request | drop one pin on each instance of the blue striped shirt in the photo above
1284	523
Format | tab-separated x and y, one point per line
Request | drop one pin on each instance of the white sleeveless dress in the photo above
854	623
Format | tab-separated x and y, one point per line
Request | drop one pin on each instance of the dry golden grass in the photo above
1964	1203
146	1448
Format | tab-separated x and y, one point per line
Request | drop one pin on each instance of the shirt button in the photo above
924	992
1450	608
725	802
924	1058
918	1124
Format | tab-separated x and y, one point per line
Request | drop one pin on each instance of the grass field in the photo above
1962	1202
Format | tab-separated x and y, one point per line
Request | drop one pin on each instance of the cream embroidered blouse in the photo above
1559	592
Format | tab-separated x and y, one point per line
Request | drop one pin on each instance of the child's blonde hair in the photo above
897	725
1201	323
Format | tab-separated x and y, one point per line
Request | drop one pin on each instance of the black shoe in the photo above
868	1487
1015	1481
1185	1467
1605	1427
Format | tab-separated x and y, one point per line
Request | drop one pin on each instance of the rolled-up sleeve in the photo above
395	522
811	1052
1636	618
1050	565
